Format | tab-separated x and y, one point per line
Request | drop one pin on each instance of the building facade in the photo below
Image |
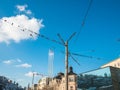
100	79
6	84
114	63
43	83
58	82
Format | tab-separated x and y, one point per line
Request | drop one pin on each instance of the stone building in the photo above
58	82
43	83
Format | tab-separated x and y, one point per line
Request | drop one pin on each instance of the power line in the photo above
47	38
32	32
70	54
74	60
76	54
84	19
64	43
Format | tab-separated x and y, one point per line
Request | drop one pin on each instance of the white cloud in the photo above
7	61
11	61
21	7
19	60
10	28
25	65
30	74
28	12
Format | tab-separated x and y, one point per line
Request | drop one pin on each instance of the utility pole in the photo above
66	65
66	44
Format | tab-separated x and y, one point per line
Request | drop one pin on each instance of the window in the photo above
71	79
71	87
118	64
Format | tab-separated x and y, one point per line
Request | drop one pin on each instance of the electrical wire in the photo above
32	32
84	20
91	57
74	60
43	36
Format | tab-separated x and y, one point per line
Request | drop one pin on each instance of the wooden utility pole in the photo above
65	43
66	65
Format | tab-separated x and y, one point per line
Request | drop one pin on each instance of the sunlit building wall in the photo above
43	82
114	63
58	82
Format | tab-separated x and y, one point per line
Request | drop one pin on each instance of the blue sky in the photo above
20	53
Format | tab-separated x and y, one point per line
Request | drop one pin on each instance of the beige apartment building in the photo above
114	63
58	82
44	82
